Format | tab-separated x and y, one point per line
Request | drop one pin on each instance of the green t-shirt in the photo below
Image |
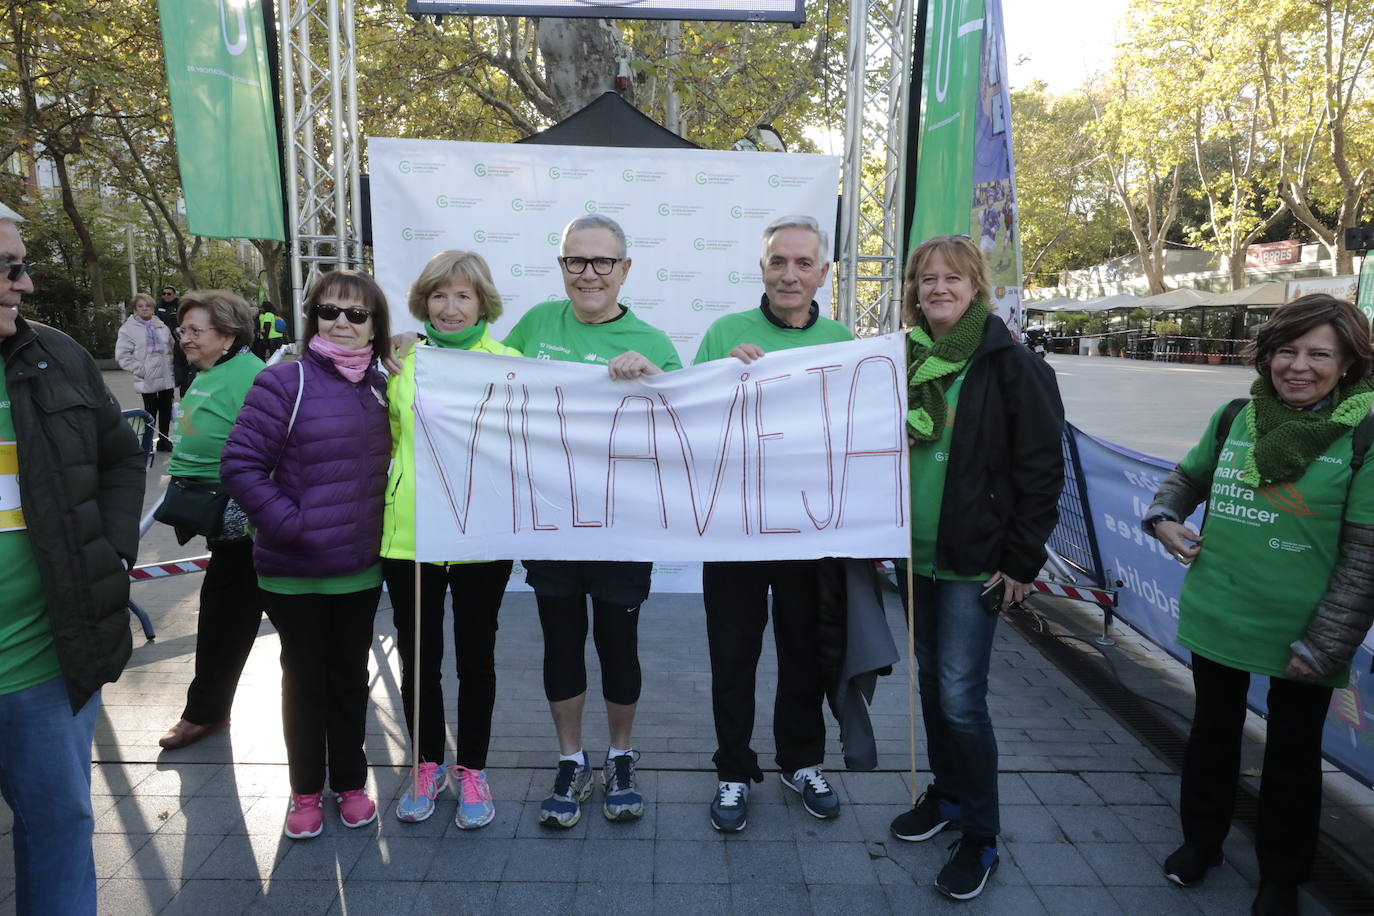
550	330
753	327
1267	554
208	411
327	585
929	461
27	655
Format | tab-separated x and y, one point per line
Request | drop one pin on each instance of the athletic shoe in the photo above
305	817
422	788
356	809
730	807
970	865
623	801
1187	865
932	813
817	797
571	786
475	807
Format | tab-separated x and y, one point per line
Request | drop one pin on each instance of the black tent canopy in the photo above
610	121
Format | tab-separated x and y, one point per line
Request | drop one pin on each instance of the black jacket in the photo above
81	481
1006	464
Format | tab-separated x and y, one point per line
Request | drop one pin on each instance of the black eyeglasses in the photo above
354	315
600	266
18	270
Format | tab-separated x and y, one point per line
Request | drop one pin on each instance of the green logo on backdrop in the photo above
701	178
480	170
441	201
407	233
699	244
590	206
516	270
698	305
628	175
736	211
734	276
554	238
774	181
663	210
479	236
555	172
403	166
517	204
662	275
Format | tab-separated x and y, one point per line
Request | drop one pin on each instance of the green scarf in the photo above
458	340
932	366
1287	440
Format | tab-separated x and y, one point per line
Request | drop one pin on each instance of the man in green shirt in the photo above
591	326
794	263
71	490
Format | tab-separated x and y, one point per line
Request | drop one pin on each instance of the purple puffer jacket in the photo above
322	514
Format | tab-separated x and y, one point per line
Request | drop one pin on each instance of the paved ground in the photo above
1088	813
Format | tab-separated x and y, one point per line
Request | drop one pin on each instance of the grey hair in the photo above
796	221
9	215
598	221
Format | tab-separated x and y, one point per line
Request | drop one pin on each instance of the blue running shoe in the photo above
571	786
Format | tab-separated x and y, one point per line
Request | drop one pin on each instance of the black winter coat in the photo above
81	481
1006	463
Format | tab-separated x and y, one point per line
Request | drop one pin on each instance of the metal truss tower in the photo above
878	111
323	148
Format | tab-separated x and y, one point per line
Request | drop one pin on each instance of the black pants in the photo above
324	645
615	631
159	407
1291	788
736	599
477	591
231	609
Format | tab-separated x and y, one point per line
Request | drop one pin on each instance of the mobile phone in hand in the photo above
991	597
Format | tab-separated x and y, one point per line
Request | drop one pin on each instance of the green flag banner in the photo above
226	132
1364	298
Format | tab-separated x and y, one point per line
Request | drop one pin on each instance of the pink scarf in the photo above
352	364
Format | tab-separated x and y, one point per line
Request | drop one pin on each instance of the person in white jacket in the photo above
144	347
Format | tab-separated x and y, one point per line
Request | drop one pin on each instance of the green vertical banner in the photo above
226	131
1364	298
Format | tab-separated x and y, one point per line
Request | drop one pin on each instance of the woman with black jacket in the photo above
984	499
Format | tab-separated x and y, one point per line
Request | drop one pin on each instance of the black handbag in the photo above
194	505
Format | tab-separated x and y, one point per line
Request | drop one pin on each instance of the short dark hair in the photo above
1307	313
168	289
350	284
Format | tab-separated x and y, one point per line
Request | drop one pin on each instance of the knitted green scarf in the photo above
458	340
1288	440
932	366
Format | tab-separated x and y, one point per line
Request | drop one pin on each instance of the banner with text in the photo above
694	220
801	454
1120	485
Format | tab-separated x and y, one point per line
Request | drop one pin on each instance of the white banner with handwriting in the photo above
799	455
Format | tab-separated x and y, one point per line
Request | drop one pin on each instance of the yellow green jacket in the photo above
398	523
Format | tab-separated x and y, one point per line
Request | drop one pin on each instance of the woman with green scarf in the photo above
1279	583
456	299
984	499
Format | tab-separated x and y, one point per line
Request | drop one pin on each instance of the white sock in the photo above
580	757
617	752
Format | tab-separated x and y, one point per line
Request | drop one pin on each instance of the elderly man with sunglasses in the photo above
71	490
591	326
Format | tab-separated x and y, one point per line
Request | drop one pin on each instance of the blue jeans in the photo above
45	776
953	637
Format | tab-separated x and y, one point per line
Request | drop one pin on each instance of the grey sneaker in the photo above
730	807
623	801
817	797
571	787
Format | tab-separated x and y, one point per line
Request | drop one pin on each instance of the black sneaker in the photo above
970	865
933	813
623	801
1187	865
730	807
1275	899
818	798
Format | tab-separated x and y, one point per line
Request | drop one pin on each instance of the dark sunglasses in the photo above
18	270
354	315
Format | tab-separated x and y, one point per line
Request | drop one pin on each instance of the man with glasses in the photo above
71	490
591	326
795	262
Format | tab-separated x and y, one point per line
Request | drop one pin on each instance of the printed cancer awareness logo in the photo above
555	172
1287	498
480	170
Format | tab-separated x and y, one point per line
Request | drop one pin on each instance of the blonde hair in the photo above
142	297
448	266
228	313
960	253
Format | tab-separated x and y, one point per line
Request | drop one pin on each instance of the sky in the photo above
1061	42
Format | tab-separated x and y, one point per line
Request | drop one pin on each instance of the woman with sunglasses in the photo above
307	462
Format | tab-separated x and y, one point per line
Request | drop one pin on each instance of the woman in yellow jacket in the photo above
455	298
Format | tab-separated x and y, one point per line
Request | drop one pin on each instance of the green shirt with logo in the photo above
27	655
929	462
208	411
550	330
753	327
1267	553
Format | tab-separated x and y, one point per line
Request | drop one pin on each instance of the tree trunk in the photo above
580	60
89	254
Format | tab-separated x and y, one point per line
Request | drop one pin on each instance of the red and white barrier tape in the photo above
1077	593
164	570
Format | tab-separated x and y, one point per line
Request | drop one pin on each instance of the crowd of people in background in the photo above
301	478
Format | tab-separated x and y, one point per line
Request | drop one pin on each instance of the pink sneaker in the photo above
305	817
356	809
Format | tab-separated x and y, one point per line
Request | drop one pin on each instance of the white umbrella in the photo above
1272	292
1175	299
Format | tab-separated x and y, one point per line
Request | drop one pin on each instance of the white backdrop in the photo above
800	454
694	219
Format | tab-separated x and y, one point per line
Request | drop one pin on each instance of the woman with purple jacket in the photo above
307	461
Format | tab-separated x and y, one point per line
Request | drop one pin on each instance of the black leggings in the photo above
616	633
